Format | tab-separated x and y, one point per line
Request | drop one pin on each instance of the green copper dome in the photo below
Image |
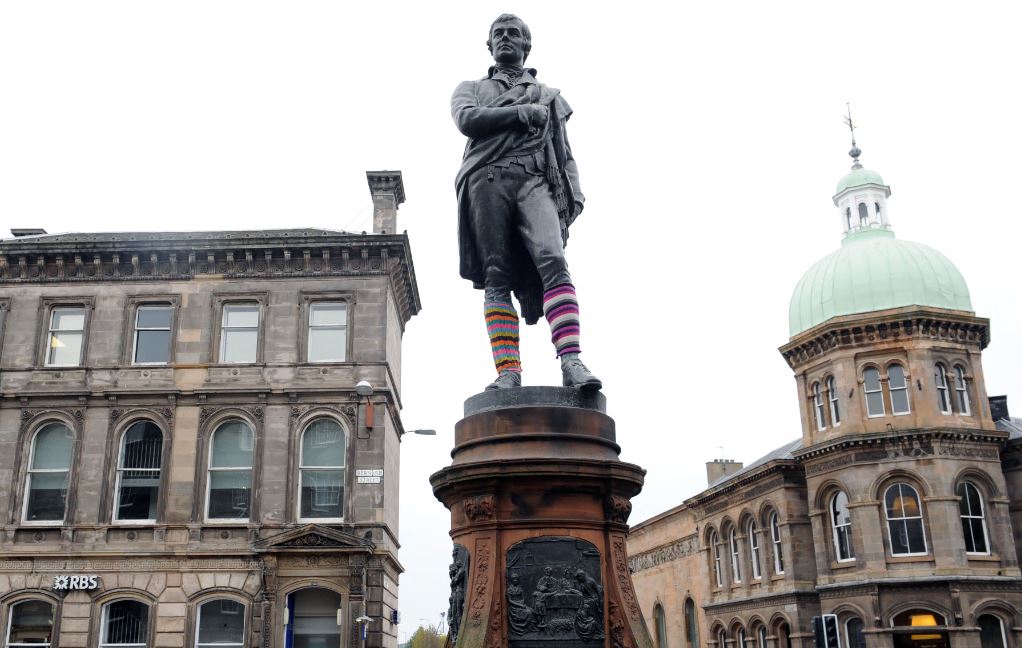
858	177
874	271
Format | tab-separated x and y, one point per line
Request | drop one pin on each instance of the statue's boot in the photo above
576	374
506	380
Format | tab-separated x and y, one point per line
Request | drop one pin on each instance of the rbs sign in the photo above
80	582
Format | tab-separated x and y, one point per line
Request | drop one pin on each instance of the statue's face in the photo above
507	42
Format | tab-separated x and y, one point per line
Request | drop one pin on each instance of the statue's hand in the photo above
537	115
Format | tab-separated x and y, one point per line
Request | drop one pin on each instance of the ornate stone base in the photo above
539	506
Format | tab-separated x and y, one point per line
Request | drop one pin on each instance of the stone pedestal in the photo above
539	506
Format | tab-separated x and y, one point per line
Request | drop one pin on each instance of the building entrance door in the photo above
314	619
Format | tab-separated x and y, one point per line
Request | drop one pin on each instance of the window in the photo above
722	639
660	625
321	471
125	623
904	521
821	422
30	624
970	506
230	472
757	571
741	638
863	215
962	391
152	334
841	523
876	207
239	333
718	575
328	331
848	217
943	398
991	632
761	636
49	474
854	637
691	628
898	386
775	538
138	473
66	336
874	396
736	569
221	622
835	406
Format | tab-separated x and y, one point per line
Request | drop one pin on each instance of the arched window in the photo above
221	623
125	624
138	472
761	636
742	638
736	569
229	483
863	215
718	575
775	537
321	471
904	521
30	623
753	532
848	218
943	397
970	506
874	395
660	625
841	523
962	391
821	422
49	471
876	207
783	635
853	633
898	386
835	406
722	639
691	626
991	631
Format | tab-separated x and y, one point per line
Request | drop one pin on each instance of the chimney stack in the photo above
721	468
388	192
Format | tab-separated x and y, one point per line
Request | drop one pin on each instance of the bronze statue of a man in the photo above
518	193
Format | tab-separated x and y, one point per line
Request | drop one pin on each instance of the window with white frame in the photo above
821	422
991	631
239	333
736	568
124	624
874	394
775	538
962	391
904	521
974	528
49	472
854	636
753	532
321	471
328	331
229	483
897	383
30	623
742	638
761	635
943	395
722	639
841	525
138	473
66	336
718	573
835	406
220	623
152	334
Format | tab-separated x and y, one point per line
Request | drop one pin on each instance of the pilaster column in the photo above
945	533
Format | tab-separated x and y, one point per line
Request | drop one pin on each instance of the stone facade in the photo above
895	507
259	564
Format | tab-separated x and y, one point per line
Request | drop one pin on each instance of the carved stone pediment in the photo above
315	538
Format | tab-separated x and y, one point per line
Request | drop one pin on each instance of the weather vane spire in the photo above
855	152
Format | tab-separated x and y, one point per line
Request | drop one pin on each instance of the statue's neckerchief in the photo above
510	72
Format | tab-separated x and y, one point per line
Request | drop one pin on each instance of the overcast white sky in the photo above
709	140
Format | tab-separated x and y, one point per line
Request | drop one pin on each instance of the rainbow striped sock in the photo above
560	307
502	327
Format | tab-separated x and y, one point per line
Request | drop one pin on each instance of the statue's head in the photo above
514	577
580	576
547	571
510	40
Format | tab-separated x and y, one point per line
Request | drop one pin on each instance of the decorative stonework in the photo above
617	509
481	582
681	548
347	410
30	416
481	507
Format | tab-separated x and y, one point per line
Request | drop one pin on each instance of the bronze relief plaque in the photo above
554	594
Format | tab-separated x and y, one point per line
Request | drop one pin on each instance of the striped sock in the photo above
560	307
502	327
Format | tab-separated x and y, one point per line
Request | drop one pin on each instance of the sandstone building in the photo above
190	454
895	509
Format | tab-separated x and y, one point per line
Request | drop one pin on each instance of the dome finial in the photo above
854	152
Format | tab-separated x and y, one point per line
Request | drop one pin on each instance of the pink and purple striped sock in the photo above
560	307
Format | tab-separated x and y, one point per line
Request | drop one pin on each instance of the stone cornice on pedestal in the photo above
170	256
868	329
